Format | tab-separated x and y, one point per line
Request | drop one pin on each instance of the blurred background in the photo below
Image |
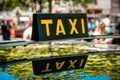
16	23
19	12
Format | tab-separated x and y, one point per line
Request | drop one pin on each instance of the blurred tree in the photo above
82	2
41	4
50	5
34	6
6	5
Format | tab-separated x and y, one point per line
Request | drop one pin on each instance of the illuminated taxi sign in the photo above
59	26
56	64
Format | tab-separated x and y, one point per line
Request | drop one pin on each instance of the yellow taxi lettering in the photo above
81	63
47	68
60	28
83	26
47	23
72	63
59	65
73	29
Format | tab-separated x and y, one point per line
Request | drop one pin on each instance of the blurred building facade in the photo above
109	6
101	6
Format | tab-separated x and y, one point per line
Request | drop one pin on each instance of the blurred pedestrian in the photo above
117	32
100	30
111	40
91	25
5	30
28	32
108	23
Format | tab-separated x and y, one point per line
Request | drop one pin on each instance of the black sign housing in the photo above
56	64
59	26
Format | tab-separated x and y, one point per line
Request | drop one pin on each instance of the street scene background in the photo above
103	18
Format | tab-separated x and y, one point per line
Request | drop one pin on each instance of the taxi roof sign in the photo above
59	26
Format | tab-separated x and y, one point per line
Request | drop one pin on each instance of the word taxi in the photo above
59	26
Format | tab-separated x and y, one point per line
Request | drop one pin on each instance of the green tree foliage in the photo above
82	2
6	5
